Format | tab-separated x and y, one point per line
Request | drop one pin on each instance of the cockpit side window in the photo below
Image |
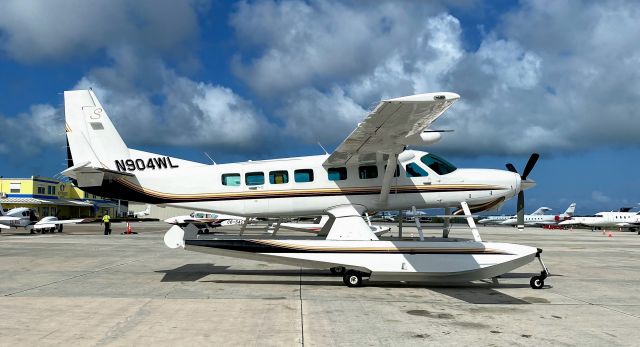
437	164
414	170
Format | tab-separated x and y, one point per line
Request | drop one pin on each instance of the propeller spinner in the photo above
525	184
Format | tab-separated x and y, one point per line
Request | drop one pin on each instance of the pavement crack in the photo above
72	277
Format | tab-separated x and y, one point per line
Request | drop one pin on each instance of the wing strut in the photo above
386	181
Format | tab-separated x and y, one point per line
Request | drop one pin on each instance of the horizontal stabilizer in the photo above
89	176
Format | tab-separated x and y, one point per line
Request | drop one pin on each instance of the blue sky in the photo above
263	79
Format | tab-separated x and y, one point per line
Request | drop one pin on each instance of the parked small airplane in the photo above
606	219
143	213
205	220
539	218
23	217
371	170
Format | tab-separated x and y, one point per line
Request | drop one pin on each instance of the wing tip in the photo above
439	96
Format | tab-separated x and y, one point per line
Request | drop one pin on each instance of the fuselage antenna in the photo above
325	151
208	156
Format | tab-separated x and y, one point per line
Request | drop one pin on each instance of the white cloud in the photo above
28	132
32	30
565	81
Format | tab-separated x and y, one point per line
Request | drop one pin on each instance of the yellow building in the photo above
52	197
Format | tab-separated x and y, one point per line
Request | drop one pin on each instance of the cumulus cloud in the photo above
565	81
27	132
178	110
32	31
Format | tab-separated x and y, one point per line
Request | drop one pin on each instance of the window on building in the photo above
303	175
41	190
414	170
86	195
51	190
14	187
232	179
368	172
254	178
278	177
337	173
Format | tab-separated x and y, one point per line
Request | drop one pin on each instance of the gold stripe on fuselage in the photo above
307	192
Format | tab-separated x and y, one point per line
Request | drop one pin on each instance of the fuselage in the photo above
603	219
303	186
23	217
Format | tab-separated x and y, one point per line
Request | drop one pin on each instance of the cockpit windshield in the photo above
437	164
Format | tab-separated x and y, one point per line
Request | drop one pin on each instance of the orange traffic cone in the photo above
610	234
129	230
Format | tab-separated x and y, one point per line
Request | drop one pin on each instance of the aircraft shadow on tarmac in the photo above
481	292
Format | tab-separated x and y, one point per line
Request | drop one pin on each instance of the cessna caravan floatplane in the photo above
371	170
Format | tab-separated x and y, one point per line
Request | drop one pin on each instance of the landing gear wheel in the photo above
338	270
537	282
352	278
206	231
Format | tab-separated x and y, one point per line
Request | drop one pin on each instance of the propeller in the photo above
533	159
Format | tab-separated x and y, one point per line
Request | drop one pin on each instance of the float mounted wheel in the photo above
352	278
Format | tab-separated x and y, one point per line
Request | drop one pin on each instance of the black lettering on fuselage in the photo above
141	165
161	163
120	165
170	164
131	166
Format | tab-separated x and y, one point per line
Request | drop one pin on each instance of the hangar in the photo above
52	197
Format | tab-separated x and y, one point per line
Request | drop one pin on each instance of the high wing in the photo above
390	127
50	222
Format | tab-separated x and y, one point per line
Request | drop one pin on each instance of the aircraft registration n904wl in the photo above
371	170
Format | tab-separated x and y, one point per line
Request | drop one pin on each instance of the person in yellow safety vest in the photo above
107	224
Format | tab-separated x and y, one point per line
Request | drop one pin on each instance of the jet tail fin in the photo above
571	209
541	211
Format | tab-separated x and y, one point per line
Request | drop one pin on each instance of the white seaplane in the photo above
371	170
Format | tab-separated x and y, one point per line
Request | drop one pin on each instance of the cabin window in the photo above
41	190
303	175
396	173
337	173
368	172
278	177
254	178
14	187
437	164
414	170
232	179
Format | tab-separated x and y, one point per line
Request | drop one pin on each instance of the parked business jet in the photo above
371	170
539	218
23	217
499	219
143	213
205	220
606	219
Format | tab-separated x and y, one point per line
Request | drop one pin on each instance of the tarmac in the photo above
83	288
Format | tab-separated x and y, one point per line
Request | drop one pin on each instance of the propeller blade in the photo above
520	217
530	164
511	168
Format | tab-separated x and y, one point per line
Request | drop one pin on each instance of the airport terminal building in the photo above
52	197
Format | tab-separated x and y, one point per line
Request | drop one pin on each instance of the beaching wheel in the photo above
352	278
536	282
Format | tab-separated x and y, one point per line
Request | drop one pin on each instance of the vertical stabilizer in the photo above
90	133
570	210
